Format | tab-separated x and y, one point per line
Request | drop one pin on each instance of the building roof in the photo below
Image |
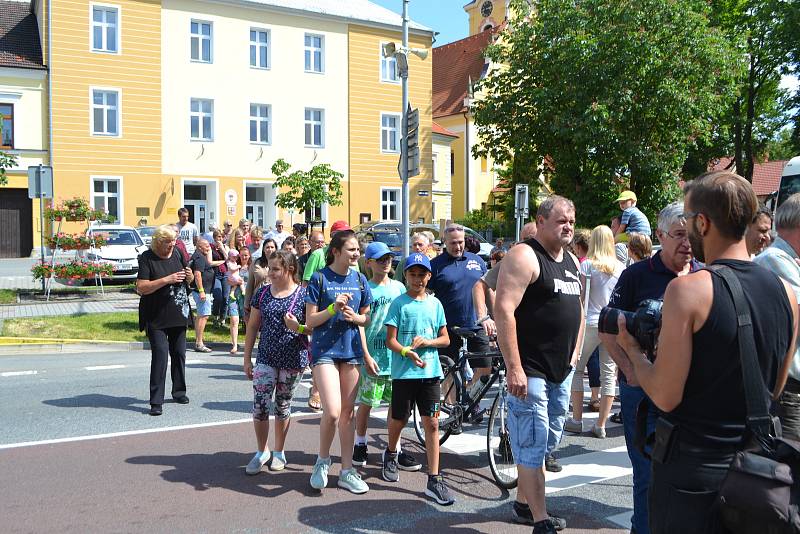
454	65
19	36
351	10
441	130
766	176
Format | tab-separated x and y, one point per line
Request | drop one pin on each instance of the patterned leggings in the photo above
280	382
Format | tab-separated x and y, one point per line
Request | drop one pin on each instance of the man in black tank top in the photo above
696	379
540	325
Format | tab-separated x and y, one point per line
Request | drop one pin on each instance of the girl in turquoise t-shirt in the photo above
337	308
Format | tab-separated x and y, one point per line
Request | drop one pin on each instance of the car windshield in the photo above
390	239
146	231
120	237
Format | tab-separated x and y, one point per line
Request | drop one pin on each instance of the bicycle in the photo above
456	401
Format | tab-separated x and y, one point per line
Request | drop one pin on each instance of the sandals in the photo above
594	405
201	348
234	350
314	402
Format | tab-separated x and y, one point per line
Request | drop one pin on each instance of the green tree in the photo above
610	93
304	190
6	162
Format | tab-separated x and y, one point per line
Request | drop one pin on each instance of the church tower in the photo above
485	14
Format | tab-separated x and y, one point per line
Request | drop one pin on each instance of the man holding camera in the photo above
539	287
647	279
696	379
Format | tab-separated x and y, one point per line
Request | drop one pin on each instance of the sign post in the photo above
521	206
40	185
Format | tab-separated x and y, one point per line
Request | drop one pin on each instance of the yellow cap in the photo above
626	195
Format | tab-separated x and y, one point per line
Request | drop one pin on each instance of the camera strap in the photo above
758	419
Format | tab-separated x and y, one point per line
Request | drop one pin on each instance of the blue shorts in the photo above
321	360
537	421
203	306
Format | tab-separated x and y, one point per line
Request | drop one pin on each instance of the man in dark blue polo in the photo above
455	272
644	280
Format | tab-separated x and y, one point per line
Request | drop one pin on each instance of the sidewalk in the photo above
68	308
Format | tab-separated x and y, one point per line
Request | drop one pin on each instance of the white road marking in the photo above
103	367
19	373
194	362
623	519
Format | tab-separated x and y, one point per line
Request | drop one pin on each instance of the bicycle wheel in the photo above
449	411
498	444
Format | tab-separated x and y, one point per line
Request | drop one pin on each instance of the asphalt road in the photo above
78	453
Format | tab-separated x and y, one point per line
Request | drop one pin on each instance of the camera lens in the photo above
607	322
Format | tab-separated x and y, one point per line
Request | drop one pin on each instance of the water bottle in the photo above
468	372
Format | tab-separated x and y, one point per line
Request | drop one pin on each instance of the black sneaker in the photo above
616	418
406	462
544	526
360	455
389	469
438	490
521	513
155	409
551	464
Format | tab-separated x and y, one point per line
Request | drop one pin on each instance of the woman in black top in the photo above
164	314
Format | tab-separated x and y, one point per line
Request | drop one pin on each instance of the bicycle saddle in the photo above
464	332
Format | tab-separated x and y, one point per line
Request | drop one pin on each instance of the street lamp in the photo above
400	54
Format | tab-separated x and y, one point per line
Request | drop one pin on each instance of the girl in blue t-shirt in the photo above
337	308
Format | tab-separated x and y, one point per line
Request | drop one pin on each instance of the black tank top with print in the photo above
549	317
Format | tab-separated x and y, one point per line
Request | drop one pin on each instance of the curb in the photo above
36	345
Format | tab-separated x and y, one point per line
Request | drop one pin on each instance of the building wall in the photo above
233	85
370	169
442	191
135	155
26	90
477	22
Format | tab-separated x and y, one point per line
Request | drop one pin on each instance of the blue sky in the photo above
445	16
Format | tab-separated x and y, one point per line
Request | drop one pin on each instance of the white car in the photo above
122	249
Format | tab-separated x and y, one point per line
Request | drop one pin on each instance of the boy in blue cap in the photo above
415	329
375	389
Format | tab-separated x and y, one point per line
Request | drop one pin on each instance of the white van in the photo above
790	180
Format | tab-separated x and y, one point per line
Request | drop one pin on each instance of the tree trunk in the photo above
737	135
747	137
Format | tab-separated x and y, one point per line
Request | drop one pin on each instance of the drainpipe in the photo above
466	161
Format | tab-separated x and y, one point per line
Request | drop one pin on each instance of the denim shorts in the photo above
203	306
321	360
537	421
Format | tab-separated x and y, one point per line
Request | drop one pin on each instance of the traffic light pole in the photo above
404	143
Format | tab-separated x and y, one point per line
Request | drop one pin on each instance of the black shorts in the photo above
426	393
479	344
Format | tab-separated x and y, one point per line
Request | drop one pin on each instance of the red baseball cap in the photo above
340	226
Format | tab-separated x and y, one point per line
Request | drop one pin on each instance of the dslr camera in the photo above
644	324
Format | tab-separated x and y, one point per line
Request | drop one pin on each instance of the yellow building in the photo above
23	125
456	68
170	103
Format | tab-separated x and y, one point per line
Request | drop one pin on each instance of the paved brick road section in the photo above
193	480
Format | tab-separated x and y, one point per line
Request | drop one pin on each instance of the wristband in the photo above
301	329
201	291
483	319
331	309
404	351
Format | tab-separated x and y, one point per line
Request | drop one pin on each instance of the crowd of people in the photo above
373	334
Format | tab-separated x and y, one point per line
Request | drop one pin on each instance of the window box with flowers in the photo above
75	241
73	272
76	209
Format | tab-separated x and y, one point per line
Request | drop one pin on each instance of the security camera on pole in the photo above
409	144
521	207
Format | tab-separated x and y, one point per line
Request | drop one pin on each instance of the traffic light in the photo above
412	141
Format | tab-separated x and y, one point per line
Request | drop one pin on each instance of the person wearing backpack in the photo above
277	312
337	308
696	378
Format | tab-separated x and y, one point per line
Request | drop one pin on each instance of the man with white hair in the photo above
209	236
278	234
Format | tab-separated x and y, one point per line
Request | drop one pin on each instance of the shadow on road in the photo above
245	407
95	400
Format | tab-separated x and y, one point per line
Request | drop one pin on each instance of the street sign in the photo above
412	141
40	181
423	193
521	201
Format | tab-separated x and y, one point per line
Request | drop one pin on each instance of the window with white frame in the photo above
105	112
200	41
201	120
315	127
435	168
314	53
388	68
390	132
390	204
260	122
105	29
259	48
106	195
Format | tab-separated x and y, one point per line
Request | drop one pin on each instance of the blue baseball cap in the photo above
418	259
376	250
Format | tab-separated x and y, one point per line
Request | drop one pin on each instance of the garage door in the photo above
16	223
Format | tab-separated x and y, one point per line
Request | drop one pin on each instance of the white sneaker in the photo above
351	481
576	427
277	463
255	465
598	431
319	476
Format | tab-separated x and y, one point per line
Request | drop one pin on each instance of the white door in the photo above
255	206
198	214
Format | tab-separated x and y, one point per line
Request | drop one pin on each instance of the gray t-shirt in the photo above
490	278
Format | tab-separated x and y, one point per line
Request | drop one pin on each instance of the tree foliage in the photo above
6	162
611	94
303	190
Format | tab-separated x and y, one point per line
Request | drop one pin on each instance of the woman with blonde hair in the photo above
599	273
